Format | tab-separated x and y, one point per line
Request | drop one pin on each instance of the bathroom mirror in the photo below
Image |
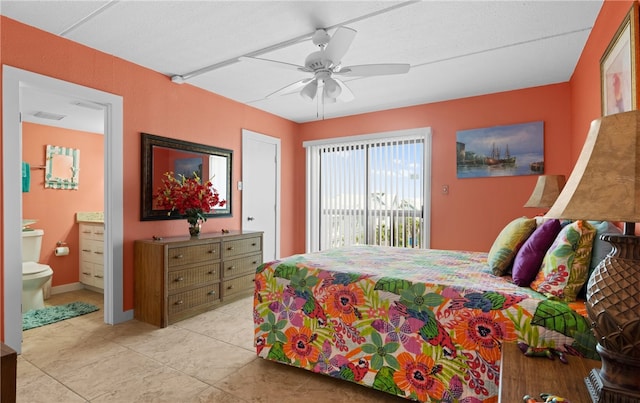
162	154
62	168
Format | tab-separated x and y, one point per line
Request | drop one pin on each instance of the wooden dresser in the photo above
179	277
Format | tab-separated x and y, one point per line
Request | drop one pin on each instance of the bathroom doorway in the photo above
13	80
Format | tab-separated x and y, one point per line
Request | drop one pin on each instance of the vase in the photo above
194	229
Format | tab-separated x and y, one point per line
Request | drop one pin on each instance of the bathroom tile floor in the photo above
207	358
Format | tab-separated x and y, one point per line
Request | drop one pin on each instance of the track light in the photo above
309	90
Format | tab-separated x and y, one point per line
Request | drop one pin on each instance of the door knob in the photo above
250	218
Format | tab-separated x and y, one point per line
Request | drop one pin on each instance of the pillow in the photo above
508	242
566	264
529	258
600	248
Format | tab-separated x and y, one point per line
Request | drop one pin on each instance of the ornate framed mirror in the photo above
162	154
62	168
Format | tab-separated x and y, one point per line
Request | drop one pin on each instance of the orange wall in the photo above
585	81
55	209
475	210
152	104
468	218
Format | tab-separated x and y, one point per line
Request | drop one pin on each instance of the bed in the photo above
426	325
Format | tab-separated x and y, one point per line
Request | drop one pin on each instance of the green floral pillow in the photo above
508	242
565	267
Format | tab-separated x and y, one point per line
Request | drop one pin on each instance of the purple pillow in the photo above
529	258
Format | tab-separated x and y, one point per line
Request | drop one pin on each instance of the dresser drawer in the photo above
241	246
237	285
178	279
181	256
91	251
244	265
92	231
190	299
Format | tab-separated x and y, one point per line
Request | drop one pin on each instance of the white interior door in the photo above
261	189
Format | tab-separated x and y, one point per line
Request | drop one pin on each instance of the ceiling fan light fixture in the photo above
309	90
331	88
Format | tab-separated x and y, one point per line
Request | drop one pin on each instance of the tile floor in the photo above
195	360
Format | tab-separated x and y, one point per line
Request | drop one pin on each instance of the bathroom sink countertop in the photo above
90	216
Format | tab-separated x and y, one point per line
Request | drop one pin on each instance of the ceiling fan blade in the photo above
339	44
365	70
346	95
273	63
290	88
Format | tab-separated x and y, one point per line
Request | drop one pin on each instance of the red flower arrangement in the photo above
188	197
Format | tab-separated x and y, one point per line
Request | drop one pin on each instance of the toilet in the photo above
34	274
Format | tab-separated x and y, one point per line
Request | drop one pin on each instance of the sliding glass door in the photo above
369	190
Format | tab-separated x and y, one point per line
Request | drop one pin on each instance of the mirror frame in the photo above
149	141
52	179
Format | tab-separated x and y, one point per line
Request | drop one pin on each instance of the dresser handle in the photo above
179	279
230	248
180	256
231	267
180	302
253	244
98	276
211	292
230	287
86	273
86	250
255	262
98	253
212	251
212	272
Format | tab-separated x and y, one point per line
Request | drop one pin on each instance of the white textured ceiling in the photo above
456	49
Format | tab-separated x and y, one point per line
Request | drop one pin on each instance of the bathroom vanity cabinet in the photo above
92	255
176	278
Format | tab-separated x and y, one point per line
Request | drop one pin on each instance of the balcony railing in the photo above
399	228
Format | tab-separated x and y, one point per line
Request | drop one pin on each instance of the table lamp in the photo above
547	189
605	185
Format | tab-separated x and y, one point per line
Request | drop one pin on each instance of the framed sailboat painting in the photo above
501	151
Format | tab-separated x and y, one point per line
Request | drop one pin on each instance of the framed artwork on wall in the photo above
509	150
618	66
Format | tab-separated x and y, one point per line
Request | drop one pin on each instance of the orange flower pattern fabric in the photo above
426	325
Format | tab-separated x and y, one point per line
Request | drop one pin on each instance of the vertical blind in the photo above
369	190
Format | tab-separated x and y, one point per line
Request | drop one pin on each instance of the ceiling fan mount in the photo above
321	37
325	63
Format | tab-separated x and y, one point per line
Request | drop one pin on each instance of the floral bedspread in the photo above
426	325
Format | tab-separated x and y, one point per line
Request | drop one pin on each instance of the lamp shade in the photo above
309	90
546	191
605	182
605	185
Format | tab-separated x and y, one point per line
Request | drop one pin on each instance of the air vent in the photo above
48	115
88	105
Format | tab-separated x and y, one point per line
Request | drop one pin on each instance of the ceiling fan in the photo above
325	63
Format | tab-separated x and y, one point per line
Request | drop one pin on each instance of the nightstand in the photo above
521	375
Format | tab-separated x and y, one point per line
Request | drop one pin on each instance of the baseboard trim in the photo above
66	288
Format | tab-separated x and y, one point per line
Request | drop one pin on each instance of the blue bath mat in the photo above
52	314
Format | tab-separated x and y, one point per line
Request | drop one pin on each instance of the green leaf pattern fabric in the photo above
425	325
507	244
565	266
